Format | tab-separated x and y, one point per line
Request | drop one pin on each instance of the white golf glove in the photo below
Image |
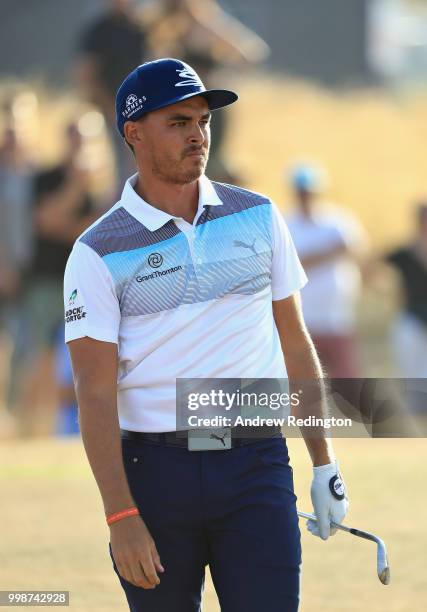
329	498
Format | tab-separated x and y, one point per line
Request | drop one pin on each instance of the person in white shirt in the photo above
329	243
186	278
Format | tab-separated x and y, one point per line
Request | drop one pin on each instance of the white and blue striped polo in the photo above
180	299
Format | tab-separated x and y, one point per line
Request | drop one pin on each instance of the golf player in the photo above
186	278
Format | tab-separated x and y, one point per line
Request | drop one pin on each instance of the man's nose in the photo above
197	135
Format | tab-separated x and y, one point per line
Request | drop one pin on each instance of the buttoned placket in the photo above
154	218
189	231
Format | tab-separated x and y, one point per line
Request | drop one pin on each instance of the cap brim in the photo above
216	98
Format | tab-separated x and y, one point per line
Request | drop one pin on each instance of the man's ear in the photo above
132	133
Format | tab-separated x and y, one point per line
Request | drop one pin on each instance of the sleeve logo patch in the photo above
75	314
72	298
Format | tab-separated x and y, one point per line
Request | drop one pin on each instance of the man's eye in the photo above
179	123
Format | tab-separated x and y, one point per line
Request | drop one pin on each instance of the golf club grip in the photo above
356	532
362	534
313	517
352	530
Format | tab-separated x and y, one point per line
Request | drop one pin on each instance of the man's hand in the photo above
135	552
329	498
95	369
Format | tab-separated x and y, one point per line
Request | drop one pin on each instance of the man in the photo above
409	332
187	278
206	36
62	208
329	243
108	48
15	255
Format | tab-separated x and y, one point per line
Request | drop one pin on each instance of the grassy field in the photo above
53	535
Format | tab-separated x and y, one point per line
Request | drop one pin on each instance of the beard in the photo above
180	171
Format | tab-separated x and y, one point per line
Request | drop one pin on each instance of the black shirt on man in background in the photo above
117	41
414	277
50	253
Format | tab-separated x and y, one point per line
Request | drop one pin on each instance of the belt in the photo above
240	436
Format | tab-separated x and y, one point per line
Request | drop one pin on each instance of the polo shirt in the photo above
182	300
330	297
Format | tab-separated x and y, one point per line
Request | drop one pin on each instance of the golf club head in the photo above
384	576
383	567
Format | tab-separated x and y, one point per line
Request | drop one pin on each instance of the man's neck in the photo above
306	213
174	199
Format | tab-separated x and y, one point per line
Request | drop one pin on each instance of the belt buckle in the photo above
213	438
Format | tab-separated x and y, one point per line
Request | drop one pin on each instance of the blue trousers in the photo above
234	510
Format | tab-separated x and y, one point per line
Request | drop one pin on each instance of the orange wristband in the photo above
118	516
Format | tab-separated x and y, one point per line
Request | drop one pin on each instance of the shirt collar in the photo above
153	218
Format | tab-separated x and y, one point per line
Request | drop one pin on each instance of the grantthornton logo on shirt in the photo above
140	278
155	260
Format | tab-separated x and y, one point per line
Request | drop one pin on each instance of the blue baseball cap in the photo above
307	178
162	82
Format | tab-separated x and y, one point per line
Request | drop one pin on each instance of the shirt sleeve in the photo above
90	301
287	273
352	233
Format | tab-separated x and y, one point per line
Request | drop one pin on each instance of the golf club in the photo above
383	568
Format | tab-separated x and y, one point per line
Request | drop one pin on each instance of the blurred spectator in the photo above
410	328
15	253
67	415
181	27
202	34
329	243
109	49
63	208
15	224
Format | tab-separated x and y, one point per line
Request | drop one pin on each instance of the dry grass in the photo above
53	535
